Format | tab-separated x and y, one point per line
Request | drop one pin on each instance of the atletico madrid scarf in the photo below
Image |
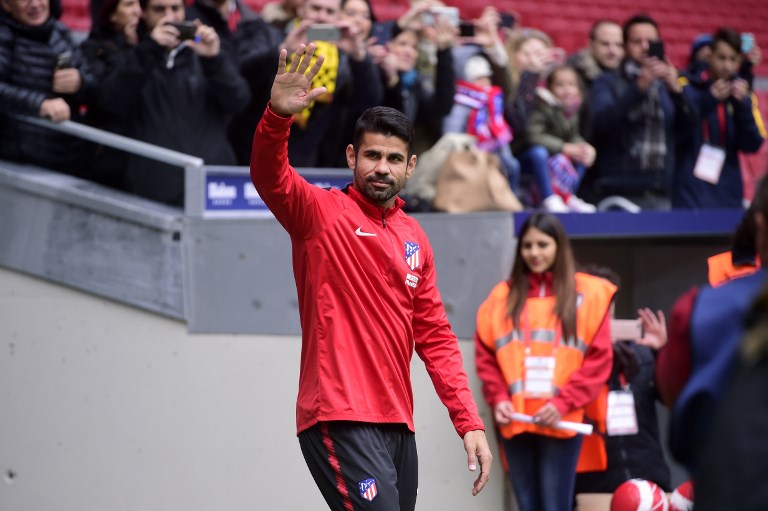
486	119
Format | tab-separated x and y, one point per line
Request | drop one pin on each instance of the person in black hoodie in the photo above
113	30
178	94
42	74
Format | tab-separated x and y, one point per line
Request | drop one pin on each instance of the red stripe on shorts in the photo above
334	462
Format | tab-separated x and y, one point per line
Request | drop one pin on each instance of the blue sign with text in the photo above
234	193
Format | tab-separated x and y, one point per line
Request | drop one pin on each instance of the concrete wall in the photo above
107	407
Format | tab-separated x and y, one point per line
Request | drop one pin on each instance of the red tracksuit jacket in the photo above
367	298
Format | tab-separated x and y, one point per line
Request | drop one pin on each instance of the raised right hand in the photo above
291	91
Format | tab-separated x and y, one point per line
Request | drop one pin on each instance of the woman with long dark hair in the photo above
543	349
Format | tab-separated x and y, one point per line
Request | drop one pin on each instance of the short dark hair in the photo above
384	121
604	272
728	36
598	24
638	19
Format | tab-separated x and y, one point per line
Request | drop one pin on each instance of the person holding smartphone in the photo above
634	116
175	88
728	122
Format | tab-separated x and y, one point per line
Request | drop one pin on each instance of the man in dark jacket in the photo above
634	113
42	74
178	94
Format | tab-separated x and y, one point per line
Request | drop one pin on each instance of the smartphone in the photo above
324	32
186	29
450	13
466	29
656	49
64	60
747	42
626	329
508	20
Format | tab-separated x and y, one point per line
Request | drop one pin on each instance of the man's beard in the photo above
380	194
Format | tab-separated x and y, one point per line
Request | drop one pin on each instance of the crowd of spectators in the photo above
616	119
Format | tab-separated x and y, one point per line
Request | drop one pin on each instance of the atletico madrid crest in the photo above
368	489
412	254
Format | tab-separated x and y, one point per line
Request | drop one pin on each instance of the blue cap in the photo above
699	42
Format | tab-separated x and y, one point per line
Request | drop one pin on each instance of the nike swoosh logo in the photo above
360	232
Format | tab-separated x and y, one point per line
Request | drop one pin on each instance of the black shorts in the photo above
362	466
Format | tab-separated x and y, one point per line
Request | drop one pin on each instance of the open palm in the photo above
654	328
291	91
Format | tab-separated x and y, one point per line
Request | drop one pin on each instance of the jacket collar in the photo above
540	284
39	33
369	208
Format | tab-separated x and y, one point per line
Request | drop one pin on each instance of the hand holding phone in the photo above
64	60
66	81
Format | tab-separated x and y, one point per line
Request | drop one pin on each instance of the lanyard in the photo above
720	125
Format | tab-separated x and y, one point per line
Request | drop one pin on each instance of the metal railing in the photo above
192	165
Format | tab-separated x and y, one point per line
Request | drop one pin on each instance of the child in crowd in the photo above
554	126
708	173
479	111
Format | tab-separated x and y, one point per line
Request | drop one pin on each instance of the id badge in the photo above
709	164
621	418
539	375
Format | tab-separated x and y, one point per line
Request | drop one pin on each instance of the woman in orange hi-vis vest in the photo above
543	348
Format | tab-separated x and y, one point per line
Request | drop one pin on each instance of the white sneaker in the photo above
579	206
554	204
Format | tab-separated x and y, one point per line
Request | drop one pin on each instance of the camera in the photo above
323	32
187	29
